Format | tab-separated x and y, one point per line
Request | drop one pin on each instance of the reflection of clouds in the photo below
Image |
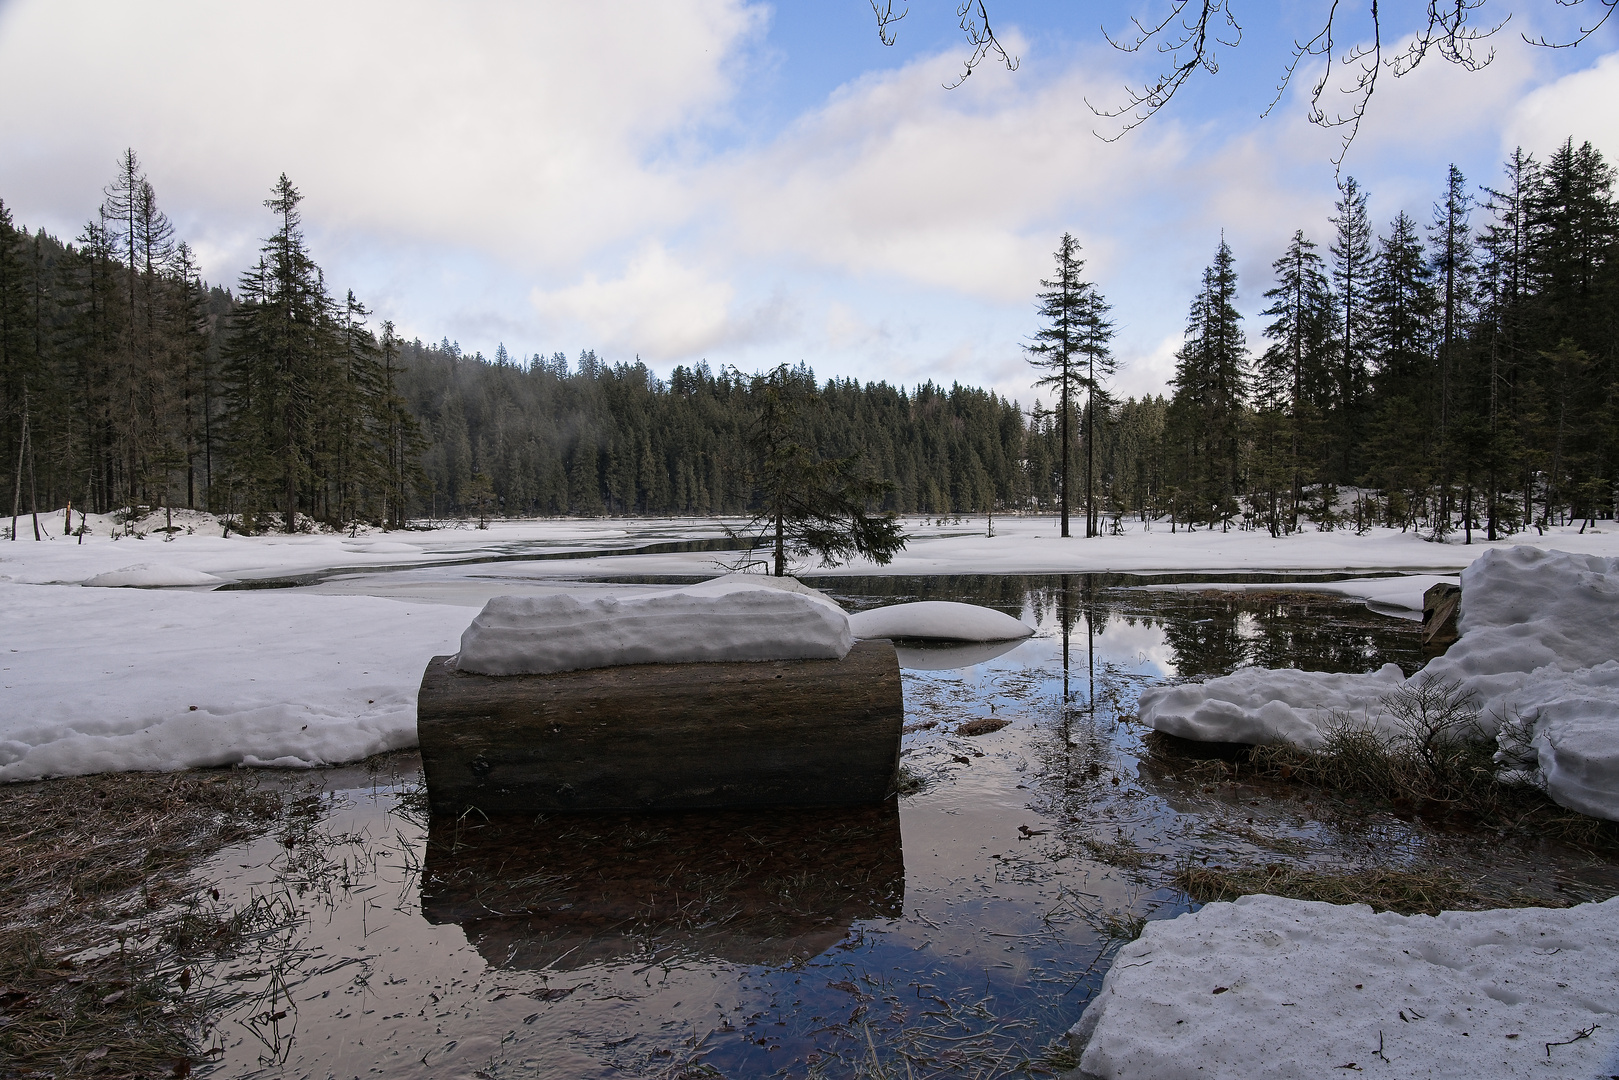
1140	644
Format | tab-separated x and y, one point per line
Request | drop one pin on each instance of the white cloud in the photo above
1584	105
531	131
662	309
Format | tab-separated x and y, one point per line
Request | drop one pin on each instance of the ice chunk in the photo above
723	620
152	576
938	620
1269	987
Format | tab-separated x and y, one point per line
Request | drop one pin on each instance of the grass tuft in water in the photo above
100	926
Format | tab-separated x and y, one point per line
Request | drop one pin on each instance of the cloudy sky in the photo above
747	183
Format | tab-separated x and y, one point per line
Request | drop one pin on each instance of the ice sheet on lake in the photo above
739	617
1276	988
152	576
938	620
1538	649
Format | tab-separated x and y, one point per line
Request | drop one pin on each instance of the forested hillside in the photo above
1465	370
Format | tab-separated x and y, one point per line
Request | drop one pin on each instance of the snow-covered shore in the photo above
104	678
1538	653
1266	987
1021	545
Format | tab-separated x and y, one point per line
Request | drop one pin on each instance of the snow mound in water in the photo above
1539	650
938	620
152	576
1269	987
735	618
1259	705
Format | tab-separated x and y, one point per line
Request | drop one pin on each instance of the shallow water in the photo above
956	931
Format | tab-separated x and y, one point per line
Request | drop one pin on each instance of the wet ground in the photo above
956	931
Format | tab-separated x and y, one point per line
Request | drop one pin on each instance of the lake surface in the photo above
956	931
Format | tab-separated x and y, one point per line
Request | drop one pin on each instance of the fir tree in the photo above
1292	381
1072	347
807	504
1211	387
1351	252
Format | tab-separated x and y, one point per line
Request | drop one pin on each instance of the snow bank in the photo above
110	680
1269	987
152	576
938	620
1258	705
739	617
1539	639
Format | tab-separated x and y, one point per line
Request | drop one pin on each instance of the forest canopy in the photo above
1457	373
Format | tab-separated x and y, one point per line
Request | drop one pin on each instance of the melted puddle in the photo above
957	931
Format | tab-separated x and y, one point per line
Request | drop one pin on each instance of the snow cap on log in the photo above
739	617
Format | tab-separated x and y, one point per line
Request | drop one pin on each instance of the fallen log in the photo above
663	736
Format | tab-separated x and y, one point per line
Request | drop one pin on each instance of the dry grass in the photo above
1408	892
99	922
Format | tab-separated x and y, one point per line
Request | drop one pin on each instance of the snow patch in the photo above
114	680
938	620
739	617
1270	987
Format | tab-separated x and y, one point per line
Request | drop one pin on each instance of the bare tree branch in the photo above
1607	7
886	19
1189	47
974	19
1192	33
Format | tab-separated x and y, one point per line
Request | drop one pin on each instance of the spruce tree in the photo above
274	363
1072	347
1292	378
1211	389
1403	434
807	504
1351	252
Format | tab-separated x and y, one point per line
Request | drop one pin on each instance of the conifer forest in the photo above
1457	374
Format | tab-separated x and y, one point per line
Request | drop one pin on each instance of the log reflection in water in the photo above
748	887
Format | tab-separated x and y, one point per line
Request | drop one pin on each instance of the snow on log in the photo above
938	620
733	618
821	732
1270	987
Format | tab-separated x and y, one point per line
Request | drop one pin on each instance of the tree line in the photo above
125	381
1459	376
1461	373
1453	375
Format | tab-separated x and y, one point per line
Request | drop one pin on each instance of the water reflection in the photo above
743	887
920	656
